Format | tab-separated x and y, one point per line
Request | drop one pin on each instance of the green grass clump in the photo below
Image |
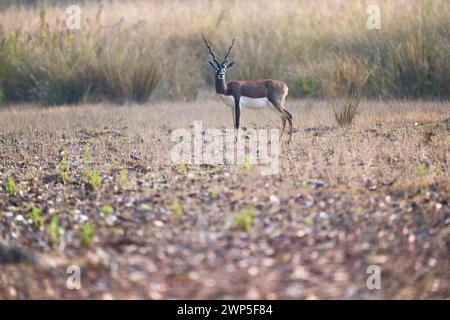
123	180
107	210
435	167
95	178
182	168
24	185
420	170
145	207
87	234
87	153
212	194
309	222
244	219
11	187
36	216
109	142
54	230
246	164
177	209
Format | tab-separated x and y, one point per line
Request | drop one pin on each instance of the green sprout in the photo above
107	210
87	234
24	185
420	170
64	174
114	163
244	219
177	209
145	207
435	167
87	153
35	216
87	158
182	168
11	187
212	194
123	180
94	178
109	141
54	230
309	222
246	164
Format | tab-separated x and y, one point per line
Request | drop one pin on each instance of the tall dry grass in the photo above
344	117
130	50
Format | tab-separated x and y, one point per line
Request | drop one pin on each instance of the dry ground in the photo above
375	194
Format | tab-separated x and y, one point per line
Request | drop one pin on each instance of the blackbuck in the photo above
252	94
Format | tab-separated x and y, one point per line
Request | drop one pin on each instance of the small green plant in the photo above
87	234
182	168
123	180
309	222
244	219
36	216
107	210
177	209
303	183
95	179
23	185
109	141
345	116
212	194
435	167
64	171
72	211
54	230
87	153
11	187
114	163
420	170
246	164
145	207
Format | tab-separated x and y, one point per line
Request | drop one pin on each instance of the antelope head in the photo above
220	68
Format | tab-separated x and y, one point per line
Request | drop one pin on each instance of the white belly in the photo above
246	102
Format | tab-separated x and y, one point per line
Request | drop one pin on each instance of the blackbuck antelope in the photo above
253	94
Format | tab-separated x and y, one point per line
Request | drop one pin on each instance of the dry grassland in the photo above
376	193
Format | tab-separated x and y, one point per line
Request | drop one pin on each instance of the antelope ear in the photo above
231	64
212	64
